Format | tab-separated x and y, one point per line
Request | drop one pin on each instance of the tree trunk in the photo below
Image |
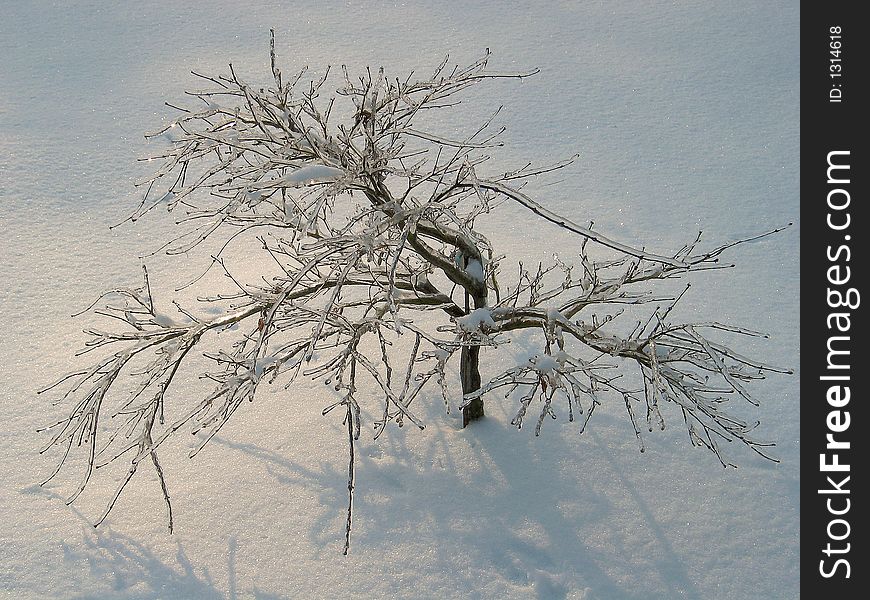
469	372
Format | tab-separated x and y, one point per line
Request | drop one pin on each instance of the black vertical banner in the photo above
834	264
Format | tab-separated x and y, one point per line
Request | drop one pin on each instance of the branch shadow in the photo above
510	503
133	571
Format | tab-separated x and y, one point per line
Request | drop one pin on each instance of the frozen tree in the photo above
370	218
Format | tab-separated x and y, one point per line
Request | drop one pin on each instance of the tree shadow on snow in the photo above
133	571
546	517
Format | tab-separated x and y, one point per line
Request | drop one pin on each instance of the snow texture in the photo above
662	102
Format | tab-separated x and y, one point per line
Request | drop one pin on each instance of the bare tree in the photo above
371	219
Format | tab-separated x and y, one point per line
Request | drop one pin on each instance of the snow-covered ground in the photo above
685	116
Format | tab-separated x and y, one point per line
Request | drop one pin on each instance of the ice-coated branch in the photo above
678	363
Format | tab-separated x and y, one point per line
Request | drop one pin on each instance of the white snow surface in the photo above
685	116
